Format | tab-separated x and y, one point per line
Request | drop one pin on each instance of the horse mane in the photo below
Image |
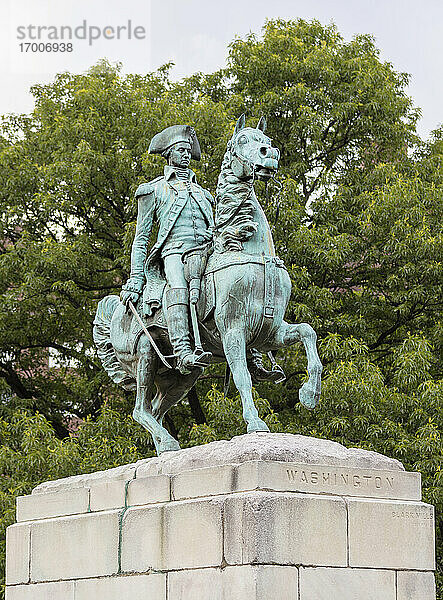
235	205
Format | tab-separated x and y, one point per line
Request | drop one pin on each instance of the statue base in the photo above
263	516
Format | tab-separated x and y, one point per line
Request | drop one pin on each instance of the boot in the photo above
177	300
258	371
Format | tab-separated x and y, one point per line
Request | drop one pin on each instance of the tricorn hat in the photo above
173	135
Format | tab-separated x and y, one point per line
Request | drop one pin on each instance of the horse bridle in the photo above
246	162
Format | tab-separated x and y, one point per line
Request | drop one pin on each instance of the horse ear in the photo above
262	124
240	123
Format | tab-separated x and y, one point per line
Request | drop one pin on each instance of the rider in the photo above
183	210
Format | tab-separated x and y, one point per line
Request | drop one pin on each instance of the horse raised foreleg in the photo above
234	346
288	334
143	411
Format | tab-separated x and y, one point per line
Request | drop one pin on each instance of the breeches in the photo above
174	271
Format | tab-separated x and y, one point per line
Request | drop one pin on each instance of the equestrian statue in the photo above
210	289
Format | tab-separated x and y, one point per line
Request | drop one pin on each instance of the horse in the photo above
245	291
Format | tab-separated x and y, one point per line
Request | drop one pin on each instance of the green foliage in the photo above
331	104
359	228
225	420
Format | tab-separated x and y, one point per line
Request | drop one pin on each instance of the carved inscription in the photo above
417	515
341	479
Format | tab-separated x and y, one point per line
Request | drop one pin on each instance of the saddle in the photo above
206	303
157	318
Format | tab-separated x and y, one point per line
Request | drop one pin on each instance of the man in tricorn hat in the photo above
183	210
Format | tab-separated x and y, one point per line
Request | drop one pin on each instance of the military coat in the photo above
161	200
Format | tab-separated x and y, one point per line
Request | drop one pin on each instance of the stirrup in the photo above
259	373
193	360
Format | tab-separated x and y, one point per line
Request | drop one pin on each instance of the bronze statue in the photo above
221	275
183	211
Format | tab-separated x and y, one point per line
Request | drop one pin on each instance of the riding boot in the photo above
177	300
258	371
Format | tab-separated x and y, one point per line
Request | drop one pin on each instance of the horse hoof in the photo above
169	446
257	425
308	396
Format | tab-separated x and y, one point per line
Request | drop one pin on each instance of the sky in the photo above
195	34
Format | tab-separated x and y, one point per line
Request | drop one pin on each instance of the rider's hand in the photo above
131	291
127	296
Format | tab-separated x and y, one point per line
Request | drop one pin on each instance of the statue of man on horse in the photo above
221	274
183	210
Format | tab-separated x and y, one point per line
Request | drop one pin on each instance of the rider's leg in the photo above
259	372
177	303
174	271
178	324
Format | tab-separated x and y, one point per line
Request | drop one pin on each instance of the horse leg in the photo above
172	387
143	410
234	346
287	335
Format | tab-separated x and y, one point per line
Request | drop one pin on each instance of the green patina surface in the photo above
213	275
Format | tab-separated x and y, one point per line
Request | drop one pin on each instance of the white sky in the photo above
195	33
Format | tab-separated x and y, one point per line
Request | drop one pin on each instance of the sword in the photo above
149	336
194	321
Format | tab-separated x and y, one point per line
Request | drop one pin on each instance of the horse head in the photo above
240	223
251	151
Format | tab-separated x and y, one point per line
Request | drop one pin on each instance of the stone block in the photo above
296	477
200	584
75	547
204	482
60	590
287	529
278	583
108	495
142	539
263	582
391	535
347	584
133	587
52	504
324	479
193	534
149	490
179	535
124	472
415	585
18	542
283	447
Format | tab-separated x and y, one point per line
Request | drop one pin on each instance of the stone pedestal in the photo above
264	516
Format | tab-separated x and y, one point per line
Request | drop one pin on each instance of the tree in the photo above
331	105
69	172
365	259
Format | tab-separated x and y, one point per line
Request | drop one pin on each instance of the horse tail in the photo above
105	350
